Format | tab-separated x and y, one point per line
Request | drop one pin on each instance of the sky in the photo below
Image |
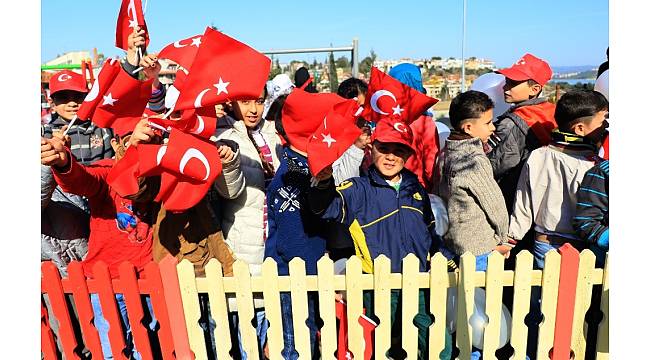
563	32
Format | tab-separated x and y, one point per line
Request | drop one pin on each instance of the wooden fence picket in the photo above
51	283
218	308
81	298
493	305
550	289
131	293
272	308
381	301
602	342
176	312
191	308
299	307
438	285
410	304
465	305
583	301
327	307
48	345
354	300
154	286
109	309
245	308
566	298
521	304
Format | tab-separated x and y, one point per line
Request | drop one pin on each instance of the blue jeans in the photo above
102	326
289	351
261	328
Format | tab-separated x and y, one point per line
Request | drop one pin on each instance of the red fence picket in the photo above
104	287
51	283
77	281
566	299
48	346
176	313
153	285
131	292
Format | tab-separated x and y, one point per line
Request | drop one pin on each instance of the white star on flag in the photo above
222	86
196	41
108	100
397	110
328	139
133	23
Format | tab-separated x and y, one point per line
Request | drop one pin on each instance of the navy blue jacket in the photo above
381	219
294	231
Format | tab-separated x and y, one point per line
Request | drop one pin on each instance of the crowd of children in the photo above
532	179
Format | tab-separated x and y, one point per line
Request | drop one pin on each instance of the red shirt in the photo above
116	234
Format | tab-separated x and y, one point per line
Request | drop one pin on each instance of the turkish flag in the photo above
201	122
130	16
224	69
122	103
123	177
606	148
107	74
183	51
388	97
343	352
336	134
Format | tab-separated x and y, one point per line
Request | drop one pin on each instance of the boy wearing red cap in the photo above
526	126
388	212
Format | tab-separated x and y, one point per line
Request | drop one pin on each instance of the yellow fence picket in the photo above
550	283
465	305
438	284
521	304
190	297
327	307
382	305
218	308
410	302
602	342
272	308
299	307
354	301
583	301
245	308
493	305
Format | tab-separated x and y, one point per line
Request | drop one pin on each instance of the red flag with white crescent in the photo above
388	97
130	16
334	136
107	74
224	69
122	103
182	51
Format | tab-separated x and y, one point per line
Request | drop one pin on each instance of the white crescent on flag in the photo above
193	153
375	97
94	91
199	98
199	129
161	152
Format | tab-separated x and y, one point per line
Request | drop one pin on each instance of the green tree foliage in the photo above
276	69
334	81
343	62
366	64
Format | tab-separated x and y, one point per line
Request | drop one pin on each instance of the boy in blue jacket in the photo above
389	213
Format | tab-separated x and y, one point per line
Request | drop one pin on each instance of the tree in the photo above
334	80
276	69
366	64
343	62
314	65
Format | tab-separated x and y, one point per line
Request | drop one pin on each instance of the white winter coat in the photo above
242	219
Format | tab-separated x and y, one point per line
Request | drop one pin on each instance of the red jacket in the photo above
116	234
426	145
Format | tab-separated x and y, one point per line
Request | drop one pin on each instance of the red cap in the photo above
303	113
529	67
393	130
67	80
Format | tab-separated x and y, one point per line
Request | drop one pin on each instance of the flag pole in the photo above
462	66
70	125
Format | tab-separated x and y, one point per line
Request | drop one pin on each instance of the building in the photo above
73	57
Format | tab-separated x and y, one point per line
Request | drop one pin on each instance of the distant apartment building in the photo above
73	57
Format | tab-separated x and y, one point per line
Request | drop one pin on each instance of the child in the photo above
293	230
388	213
591	221
244	214
526	126
478	218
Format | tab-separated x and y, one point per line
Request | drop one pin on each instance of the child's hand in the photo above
363	140
221	111
226	154
150	65
504	250
59	135
136	39
324	174
53	152
142	133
